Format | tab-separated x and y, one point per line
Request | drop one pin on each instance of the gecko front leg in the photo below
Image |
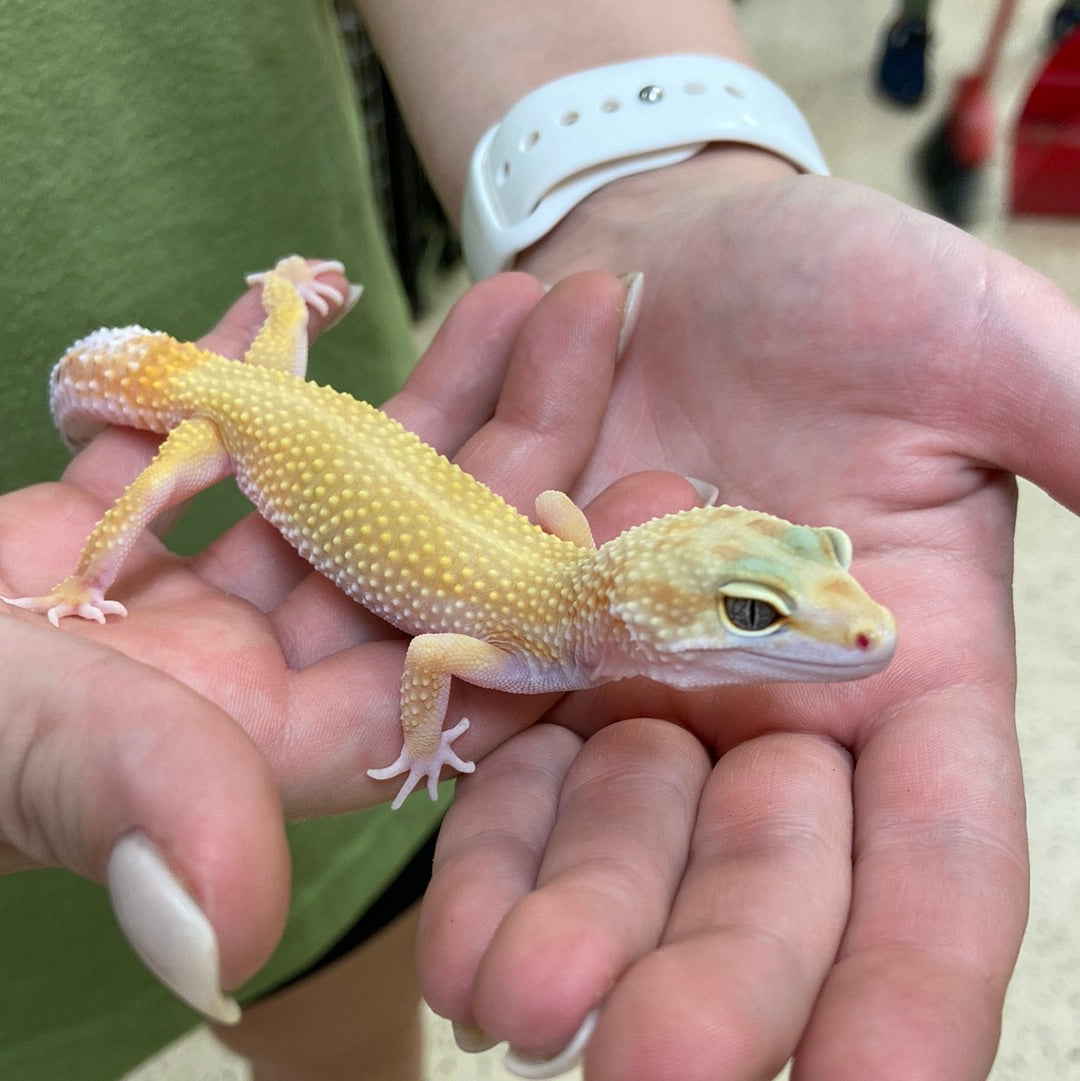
559	515
431	662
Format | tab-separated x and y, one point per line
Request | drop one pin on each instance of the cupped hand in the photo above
834	872
241	685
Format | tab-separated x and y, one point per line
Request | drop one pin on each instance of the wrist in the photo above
610	229
581	133
457	68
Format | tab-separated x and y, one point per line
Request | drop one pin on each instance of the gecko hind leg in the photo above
191	458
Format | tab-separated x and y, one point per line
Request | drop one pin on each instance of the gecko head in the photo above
721	594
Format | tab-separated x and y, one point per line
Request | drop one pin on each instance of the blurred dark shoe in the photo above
902	73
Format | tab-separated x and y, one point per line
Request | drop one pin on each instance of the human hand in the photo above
159	753
837	872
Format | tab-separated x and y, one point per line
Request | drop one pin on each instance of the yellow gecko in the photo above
703	597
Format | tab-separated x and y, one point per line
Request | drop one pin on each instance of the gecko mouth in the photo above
795	670
866	656
698	668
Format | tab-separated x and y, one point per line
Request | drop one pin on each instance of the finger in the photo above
637	498
754	926
254	561
1014	399
490	848
456	384
111	769
940	897
611	866
556	390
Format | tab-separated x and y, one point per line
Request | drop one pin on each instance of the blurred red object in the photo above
1046	148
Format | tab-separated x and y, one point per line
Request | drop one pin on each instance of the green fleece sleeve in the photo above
150	156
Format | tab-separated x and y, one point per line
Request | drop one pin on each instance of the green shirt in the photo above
150	156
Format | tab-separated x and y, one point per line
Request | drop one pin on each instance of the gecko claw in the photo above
429	767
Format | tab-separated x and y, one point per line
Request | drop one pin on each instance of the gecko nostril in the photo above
863	641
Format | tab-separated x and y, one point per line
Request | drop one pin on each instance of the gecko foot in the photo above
70	599
305	276
429	767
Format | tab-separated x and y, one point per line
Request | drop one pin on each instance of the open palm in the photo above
833	871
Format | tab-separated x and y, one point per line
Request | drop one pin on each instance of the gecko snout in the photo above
876	638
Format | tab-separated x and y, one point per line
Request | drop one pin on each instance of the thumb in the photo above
114	770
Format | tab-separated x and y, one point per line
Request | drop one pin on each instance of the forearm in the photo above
458	65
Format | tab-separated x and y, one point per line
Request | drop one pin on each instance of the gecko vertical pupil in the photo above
750	614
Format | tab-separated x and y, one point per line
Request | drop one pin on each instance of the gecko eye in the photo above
748	615
749	608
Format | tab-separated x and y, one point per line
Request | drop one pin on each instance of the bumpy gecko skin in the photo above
707	596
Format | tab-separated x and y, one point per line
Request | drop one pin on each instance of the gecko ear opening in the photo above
841	545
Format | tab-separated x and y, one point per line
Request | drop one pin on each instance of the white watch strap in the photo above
574	135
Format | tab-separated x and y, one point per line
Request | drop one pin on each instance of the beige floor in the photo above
821	52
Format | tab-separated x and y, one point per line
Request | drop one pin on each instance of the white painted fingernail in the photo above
346	306
631	309
166	928
472	1040
355	293
523	1066
707	493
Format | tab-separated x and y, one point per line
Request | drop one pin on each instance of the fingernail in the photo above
166	928
707	493
472	1040
347	305
631	309
355	293
522	1065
